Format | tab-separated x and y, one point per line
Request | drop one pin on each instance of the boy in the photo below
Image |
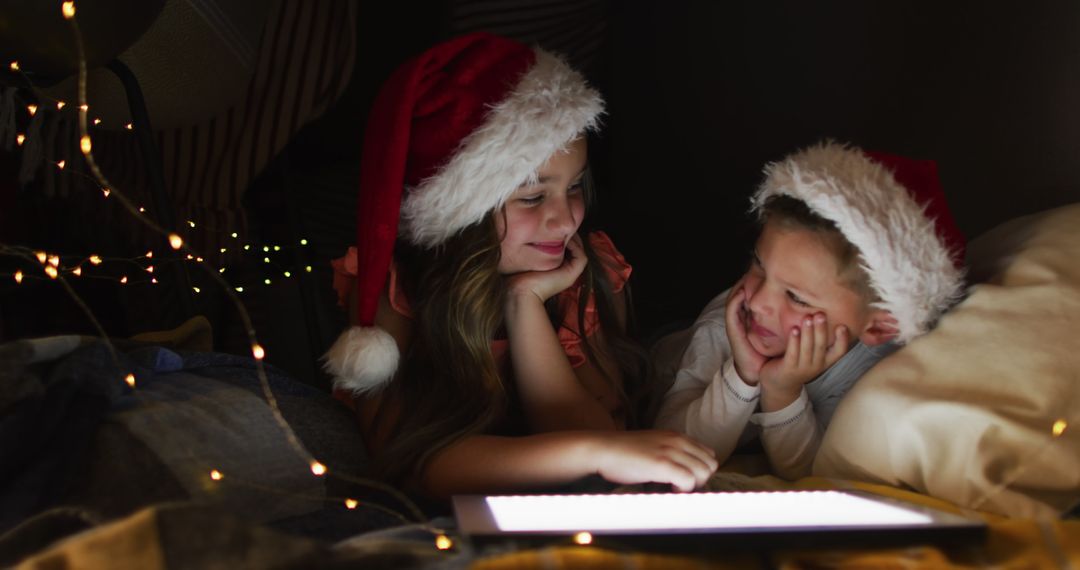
847	268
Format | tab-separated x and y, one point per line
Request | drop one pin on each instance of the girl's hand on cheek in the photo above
748	362
653	456
546	284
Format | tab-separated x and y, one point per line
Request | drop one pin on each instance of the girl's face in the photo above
540	218
794	275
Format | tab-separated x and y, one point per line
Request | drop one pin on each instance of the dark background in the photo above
701	95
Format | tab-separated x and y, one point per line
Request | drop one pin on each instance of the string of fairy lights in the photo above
52	266
57	267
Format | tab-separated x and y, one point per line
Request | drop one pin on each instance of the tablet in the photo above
707	521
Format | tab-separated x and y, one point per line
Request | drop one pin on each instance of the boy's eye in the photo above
795	299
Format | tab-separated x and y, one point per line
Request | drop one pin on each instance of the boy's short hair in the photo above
793	213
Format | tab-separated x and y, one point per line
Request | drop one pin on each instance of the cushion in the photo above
982	411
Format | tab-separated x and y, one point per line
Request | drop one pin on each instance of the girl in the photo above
516	368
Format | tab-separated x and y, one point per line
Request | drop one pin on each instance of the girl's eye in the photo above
575	188
795	299
531	200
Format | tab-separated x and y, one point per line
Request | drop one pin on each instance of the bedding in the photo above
985	410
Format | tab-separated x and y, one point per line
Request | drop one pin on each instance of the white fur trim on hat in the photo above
550	106
909	266
362	360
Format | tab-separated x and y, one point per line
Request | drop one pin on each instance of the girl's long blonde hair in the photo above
448	385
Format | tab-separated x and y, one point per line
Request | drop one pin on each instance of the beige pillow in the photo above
967	413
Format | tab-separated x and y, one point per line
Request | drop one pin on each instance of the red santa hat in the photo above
452	134
893	210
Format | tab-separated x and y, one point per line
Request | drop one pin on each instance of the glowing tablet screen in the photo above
634	512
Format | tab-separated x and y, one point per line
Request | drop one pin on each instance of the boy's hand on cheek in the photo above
808	354
547	284
748	362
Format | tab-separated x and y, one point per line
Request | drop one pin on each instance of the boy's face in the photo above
794	275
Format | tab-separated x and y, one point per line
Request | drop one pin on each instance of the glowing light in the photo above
318	468
77	271
95	260
197	290
20	138
247	247
198	259
222	270
50	271
97	121
266	260
234	235
443	542
41	256
191	223
175	242
149	254
266	281
130	379
216	475
84	144
14	66
583	538
61	164
1059	427
258	352
105	191
68	9
351	504
18	276
190	257
84	107
54	260
266	248
149	268
142	210
303	242
60	105
308	269
223	250
31	109
128	126
277	248
239	289
153	280
123	279
287	274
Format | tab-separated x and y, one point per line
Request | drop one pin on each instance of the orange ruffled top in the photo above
615	266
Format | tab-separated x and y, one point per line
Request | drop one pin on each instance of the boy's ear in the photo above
881	328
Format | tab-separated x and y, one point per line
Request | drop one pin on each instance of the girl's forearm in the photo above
552	395
492	464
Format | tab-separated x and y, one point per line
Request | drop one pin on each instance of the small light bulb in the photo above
247	247
31	109
18	276
443	542
197	290
149	254
198	259
234	235
68	9
142	210
149	268
318	468
287	274
77	271
61	164
105	191
190	257
191	223
1059	427
239	289
351	504
266	260
84	107
84	144
303	242
123	279
153	280
266	281
266	248
54	260
223	250
128	126
130	379
41	256
583	538
216	475
20	138
175	242
95	260
258	352
50	271
308	269
60	105
222	270
97	121
277	248
14	66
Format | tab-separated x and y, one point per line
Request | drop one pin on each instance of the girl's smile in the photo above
554	248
